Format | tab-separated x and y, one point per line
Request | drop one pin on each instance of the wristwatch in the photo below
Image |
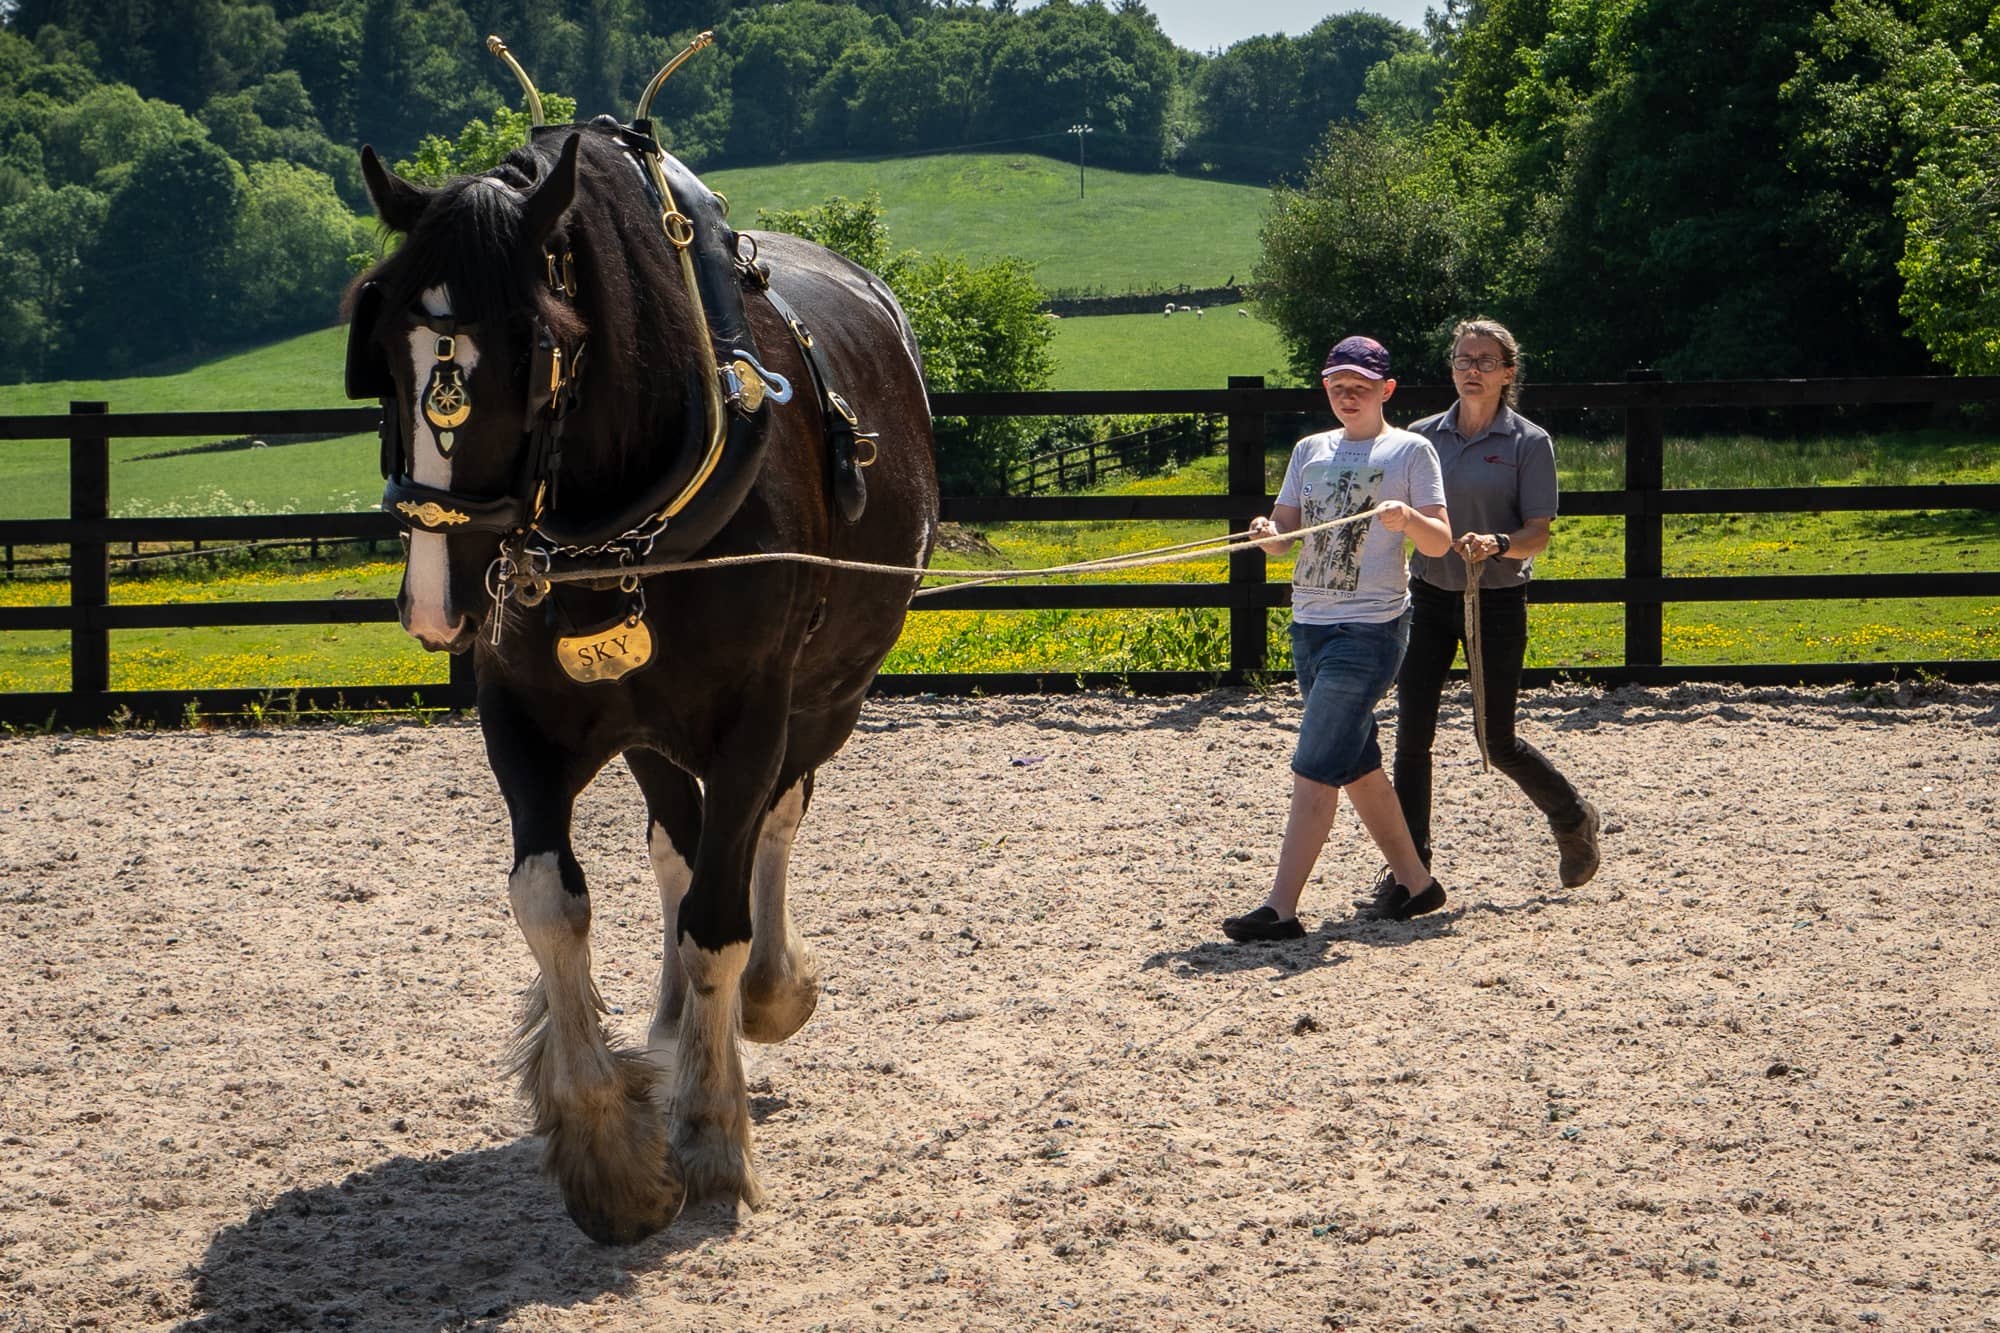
1505	542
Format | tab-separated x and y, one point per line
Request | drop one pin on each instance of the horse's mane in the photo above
630	308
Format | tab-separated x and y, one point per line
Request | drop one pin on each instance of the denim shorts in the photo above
1344	670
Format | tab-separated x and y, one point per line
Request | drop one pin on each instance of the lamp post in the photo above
1079	130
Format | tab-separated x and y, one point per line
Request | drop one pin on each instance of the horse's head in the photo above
463	335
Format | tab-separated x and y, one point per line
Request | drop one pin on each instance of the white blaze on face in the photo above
430	616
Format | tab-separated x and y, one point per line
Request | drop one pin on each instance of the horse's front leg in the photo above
605	1140
711	1108
673	833
781	982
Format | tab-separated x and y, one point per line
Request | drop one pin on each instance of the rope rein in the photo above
1206	548
1475	664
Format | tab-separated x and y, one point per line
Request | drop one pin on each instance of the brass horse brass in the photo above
431	514
607	654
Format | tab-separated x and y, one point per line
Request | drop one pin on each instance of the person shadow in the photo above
415	1245
1321	946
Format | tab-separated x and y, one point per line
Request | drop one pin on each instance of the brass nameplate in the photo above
431	514
607	654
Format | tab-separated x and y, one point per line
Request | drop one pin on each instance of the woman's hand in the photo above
1395	515
1474	547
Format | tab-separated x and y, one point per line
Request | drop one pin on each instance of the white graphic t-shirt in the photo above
1355	573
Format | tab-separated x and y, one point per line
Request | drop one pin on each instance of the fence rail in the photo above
1079	465
1643	502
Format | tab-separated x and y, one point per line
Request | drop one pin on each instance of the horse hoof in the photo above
639	1214
776	1007
717	1164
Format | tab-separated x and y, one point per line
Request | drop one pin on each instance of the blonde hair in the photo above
1510	351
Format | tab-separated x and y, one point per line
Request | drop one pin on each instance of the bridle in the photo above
674	517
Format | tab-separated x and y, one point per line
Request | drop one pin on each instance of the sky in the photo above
1205	25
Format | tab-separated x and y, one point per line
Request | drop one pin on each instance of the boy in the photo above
1350	625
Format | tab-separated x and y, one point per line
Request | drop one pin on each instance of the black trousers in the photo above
1436	629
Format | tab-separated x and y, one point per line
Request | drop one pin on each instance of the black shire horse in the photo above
585	372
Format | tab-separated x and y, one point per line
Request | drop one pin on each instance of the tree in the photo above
780	53
1267	100
980	327
480	146
1063	63
156	275
324	50
1904	121
288	259
1365	245
43	239
94	141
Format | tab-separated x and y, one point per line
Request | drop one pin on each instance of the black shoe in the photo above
1577	844
1401	904
1262	926
1385	887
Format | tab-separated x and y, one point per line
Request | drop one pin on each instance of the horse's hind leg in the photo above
673	833
781	981
605	1140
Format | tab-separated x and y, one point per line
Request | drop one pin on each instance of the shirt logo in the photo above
1503	462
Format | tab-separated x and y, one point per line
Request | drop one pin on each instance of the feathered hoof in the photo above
775	1008
716	1162
619	1179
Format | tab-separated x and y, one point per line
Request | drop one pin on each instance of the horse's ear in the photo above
553	196
397	202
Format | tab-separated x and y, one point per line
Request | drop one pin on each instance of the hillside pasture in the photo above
1160	351
263	984
1130	232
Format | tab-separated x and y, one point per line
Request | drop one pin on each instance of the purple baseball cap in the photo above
1363	356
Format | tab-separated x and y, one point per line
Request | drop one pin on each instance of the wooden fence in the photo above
1643	502
1076	466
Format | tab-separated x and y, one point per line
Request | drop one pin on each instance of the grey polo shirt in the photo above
1493	482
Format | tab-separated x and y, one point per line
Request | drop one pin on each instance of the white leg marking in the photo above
574	1062
711	1108
672	873
781	983
604	1139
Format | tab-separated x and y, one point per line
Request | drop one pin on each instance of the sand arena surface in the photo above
259	986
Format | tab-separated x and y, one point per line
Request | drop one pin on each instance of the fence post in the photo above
1246	486
89	568
1645	536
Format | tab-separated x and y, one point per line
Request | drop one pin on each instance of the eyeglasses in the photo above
1485	364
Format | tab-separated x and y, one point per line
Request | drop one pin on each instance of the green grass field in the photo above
1129	232
1168	352
1069	641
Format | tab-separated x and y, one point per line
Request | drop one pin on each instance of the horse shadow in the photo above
415	1245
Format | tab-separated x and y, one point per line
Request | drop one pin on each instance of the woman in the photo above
1500	489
